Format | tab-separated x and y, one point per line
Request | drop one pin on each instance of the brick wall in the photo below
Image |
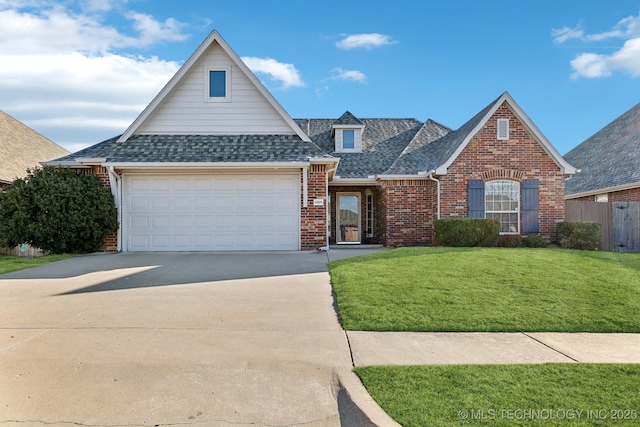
410	211
313	219
111	242
629	195
519	158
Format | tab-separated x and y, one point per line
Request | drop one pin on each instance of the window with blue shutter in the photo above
530	206
475	192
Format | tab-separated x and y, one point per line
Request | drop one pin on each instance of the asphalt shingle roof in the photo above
202	148
22	148
382	142
609	158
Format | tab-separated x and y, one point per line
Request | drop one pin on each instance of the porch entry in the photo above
348	215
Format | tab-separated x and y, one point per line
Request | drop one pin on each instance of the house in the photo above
22	148
609	162
215	163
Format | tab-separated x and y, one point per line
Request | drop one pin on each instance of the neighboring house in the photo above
609	162
22	148
215	163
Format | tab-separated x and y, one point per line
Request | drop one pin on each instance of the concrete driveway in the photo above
171	339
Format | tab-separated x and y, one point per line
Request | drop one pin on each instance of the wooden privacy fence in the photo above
619	222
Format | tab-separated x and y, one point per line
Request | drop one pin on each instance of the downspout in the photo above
116	189
438	184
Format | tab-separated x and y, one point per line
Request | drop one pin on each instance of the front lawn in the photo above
14	263
507	395
489	290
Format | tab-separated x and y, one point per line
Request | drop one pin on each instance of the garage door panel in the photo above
212	212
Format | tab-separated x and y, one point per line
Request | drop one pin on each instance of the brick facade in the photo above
111	242
410	207
313	219
520	157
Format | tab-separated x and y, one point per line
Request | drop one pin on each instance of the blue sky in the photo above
81	71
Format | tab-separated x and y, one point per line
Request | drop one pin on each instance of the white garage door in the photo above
211	212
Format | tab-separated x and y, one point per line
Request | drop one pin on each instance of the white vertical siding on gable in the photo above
184	110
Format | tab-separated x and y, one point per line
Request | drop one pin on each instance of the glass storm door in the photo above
348	218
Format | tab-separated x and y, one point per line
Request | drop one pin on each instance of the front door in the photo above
348	214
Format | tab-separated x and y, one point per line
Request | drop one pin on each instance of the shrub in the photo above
579	235
509	241
466	231
57	210
534	241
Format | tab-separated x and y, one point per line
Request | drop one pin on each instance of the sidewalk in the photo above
449	348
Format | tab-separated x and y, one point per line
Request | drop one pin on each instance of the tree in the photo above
58	210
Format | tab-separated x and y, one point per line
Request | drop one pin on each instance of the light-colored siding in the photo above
184	110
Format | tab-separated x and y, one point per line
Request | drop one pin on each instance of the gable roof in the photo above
214	37
22	148
348	119
456	141
609	160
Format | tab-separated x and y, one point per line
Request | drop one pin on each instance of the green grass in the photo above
14	263
489	289
507	395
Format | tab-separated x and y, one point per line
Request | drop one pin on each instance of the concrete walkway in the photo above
414	348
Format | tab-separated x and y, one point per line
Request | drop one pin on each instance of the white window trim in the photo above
517	211
357	138
227	71
369	213
504	125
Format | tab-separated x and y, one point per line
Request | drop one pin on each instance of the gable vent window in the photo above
503	129
217	85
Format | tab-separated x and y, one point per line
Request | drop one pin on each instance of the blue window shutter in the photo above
530	206
476	198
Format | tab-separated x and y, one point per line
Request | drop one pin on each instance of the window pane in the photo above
502	203
348	139
217	84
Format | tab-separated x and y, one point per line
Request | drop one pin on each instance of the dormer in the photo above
347	133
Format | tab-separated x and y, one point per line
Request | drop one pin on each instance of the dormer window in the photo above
348	139
217	83
347	132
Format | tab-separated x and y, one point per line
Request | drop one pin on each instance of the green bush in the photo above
579	235
534	241
57	210
509	241
466	232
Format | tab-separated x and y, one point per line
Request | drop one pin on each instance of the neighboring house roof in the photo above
22	148
609	160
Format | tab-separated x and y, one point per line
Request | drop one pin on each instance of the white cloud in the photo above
350	75
594	65
366	41
62	75
561	35
286	74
